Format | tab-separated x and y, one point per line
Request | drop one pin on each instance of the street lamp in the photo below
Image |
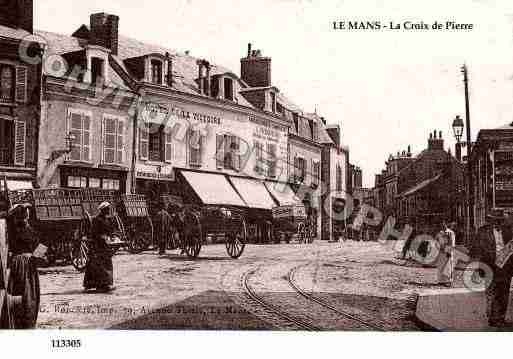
457	127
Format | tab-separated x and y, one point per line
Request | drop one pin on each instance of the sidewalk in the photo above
454	310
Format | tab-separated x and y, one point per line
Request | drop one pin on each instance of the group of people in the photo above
492	248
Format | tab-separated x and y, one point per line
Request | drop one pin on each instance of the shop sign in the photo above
156	173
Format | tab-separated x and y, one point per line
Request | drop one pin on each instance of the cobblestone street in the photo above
364	280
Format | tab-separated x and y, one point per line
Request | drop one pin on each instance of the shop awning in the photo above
19	185
254	193
283	193
213	188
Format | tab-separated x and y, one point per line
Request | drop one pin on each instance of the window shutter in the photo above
120	140
235	153
271	162
86	137
168	145
19	143
228	152
219	151
21	84
143	142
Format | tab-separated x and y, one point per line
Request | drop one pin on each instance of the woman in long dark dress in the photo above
99	268
23	278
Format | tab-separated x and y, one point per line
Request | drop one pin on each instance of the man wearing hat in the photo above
99	269
494	247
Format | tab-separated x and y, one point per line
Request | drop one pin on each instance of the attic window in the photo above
228	89
96	70
273	102
156	72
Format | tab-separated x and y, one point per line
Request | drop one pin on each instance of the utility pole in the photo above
470	197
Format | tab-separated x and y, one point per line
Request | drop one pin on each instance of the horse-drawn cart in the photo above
292	221
196	224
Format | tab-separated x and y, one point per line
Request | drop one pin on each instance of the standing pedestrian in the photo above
447	237
99	268
494	247
24	279
163	227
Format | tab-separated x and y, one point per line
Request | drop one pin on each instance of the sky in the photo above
386	89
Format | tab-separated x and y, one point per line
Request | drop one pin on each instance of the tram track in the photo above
251	293
290	279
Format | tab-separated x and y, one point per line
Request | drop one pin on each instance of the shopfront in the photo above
72	176
492	169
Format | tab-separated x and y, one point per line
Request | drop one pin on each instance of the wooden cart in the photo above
195	224
292	221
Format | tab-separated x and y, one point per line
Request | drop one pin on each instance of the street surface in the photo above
323	286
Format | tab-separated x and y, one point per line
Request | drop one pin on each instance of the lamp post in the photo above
458	127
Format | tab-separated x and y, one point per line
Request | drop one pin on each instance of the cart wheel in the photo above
193	237
140	236
79	250
236	241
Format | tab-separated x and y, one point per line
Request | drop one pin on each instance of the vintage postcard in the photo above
274	165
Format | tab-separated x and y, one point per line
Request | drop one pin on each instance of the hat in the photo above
495	214
103	205
18	209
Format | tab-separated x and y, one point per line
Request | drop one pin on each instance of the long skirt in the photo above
24	283
99	271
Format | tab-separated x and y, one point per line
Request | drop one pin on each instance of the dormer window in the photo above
97	65
273	101
156	72
228	89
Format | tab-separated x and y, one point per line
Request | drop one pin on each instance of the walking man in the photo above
163	227
494	247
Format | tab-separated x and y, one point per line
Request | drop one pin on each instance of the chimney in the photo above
17	14
435	143
255	69
334	133
104	31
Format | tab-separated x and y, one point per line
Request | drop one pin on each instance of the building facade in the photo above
123	115
20	93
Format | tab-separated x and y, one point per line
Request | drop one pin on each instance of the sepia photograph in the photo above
287	167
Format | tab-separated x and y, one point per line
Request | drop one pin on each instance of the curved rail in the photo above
271	308
292	283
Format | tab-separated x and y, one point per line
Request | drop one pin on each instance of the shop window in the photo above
228	89
79	125
77	182
113	133
6	83
110	184
156	72
97	65
195	147
7	144
95	183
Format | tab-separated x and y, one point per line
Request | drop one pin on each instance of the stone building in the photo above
335	164
492	173
20	92
147	119
431	188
